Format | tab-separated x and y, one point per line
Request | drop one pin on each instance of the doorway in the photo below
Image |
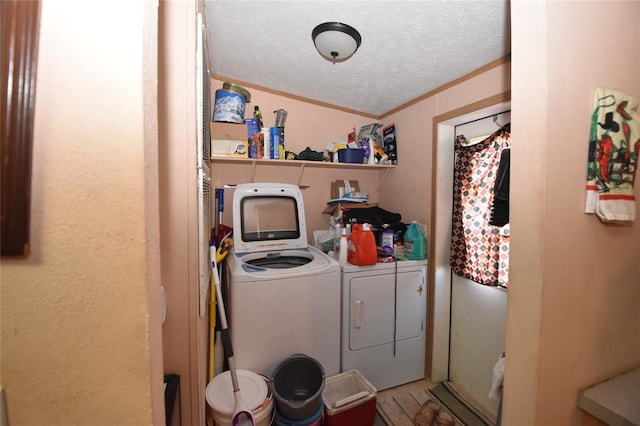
478	312
444	348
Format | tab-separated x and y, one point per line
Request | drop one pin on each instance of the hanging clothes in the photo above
500	207
479	250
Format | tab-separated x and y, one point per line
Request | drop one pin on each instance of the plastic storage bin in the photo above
351	155
349	400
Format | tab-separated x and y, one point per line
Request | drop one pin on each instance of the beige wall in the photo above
77	327
573	314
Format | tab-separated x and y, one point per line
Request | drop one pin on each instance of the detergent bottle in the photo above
387	240
415	242
362	246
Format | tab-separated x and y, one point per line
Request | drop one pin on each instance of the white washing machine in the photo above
384	321
284	296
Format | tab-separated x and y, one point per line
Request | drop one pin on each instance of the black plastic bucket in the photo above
298	382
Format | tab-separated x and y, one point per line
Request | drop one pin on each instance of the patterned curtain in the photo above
479	250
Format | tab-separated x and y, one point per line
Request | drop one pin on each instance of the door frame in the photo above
439	289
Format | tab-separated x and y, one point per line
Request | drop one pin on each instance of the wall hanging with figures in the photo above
614	148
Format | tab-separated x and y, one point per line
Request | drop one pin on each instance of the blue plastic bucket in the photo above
314	420
229	107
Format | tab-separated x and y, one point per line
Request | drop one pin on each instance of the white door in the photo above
478	315
377	306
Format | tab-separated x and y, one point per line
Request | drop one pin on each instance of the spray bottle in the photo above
257	115
372	152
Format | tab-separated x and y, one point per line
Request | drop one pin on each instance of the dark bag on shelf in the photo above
375	216
309	155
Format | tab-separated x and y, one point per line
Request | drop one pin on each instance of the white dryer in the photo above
284	296
384	314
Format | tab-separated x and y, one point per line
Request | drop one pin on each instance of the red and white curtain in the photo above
479	250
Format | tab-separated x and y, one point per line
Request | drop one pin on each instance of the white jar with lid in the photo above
266	137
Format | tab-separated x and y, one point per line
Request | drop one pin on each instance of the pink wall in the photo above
409	187
307	125
80	339
571	322
405	189
185	330
573	311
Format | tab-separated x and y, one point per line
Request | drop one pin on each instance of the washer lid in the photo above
268	217
249	267
219	392
279	260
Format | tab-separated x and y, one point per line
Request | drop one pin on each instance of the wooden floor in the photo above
397	416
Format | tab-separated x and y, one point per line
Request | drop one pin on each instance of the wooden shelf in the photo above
301	164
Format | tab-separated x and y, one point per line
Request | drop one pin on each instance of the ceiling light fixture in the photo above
336	42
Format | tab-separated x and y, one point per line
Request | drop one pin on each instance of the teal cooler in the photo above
349	400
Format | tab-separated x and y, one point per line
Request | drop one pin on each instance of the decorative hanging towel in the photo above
614	147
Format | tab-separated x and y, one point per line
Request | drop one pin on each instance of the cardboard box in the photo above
229	140
338	188
332	207
349	400
229	148
336	185
228	131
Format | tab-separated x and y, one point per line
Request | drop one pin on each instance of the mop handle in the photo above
234	375
226	336
216	281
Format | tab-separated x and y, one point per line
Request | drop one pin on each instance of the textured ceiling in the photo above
409	48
